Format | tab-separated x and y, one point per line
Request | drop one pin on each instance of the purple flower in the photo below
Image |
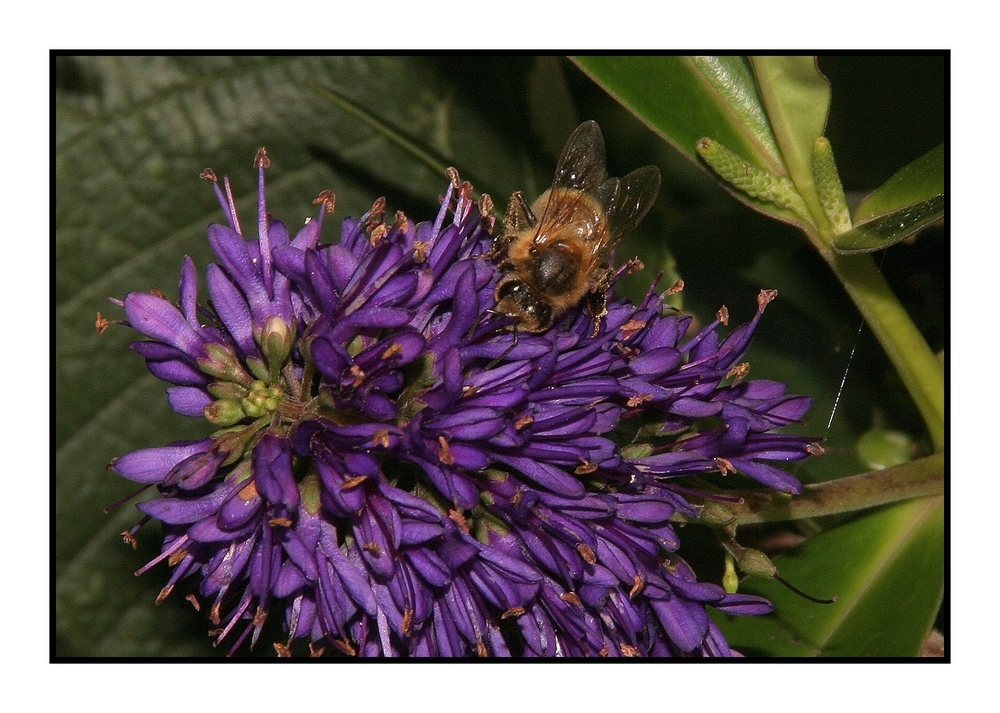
398	472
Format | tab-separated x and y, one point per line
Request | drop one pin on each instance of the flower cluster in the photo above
397	470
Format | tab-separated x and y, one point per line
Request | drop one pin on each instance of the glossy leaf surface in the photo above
905	204
887	571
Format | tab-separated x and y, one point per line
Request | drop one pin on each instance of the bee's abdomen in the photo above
556	269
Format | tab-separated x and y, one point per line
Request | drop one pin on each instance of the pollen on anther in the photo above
164	593
631	327
248	492
639	399
739	372
344	647
585	469
485	204
639	584
392	350
102	323
444	452
353	482
375	213
674	288
329	200
724	466
378	232
261	160
572	598
381	438
765	298
723	315
460	520
815	449
633	266
209	175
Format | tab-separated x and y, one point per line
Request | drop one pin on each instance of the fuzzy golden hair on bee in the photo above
556	252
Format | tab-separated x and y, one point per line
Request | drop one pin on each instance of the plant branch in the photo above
915	479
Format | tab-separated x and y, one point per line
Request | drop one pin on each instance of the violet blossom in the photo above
396	470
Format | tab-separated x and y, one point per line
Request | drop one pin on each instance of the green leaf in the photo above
917	182
890	229
887	571
797	98
686	98
905	204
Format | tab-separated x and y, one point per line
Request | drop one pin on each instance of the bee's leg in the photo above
597	305
485	315
518	215
597	298
526	219
506	351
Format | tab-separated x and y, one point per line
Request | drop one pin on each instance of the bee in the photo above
557	251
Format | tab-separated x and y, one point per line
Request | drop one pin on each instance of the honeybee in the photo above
557	251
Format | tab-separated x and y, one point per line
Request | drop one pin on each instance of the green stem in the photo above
919	478
919	368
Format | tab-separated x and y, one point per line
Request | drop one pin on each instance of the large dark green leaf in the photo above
887	571
686	98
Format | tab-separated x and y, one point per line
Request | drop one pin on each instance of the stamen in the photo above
262	162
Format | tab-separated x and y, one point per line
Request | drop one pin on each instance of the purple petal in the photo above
768	475
545	475
177	511
744	604
231	306
157	318
188	401
151	465
644	510
272	467
656	361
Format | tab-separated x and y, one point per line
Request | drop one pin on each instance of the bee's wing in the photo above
626	202
581	166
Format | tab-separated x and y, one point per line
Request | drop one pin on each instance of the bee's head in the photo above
516	299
